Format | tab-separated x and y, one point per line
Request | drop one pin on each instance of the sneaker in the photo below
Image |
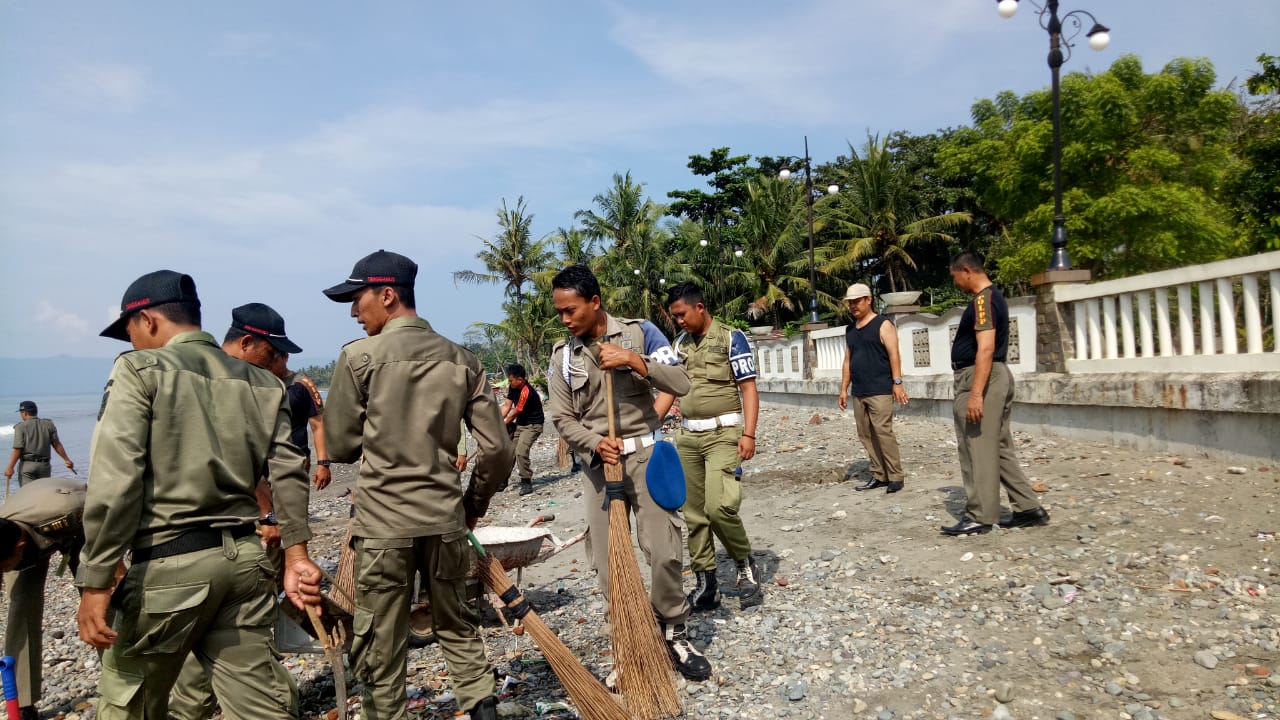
1027	518
526	487
706	594
690	663
749	592
486	709
872	484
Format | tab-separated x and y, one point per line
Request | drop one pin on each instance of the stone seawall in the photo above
1184	413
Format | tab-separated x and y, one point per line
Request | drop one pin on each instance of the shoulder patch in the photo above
141	360
106	393
56	525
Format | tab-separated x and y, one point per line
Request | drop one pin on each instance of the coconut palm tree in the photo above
624	213
877	219
512	257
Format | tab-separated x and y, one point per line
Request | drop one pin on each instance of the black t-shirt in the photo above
528	405
301	409
987	311
869	371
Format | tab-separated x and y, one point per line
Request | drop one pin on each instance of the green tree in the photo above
775	241
1143	159
1252	188
512	257
879	218
622	213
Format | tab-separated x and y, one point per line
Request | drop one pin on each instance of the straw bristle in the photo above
591	698
644	665
345	579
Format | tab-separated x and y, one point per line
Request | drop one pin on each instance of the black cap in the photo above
27	407
380	268
264	322
156	288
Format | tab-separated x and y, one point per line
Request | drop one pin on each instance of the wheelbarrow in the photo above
515	547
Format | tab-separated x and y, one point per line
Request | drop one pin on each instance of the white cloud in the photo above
63	322
114	87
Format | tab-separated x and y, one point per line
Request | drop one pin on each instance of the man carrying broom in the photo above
642	361
399	397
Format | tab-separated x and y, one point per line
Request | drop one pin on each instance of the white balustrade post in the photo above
1162	322
1273	281
1227	317
1252	314
1082	343
1095	332
1186	328
1109	326
1126	324
1207	330
1144	324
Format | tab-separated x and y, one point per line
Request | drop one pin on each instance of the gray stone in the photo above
1113	689
1004	691
1206	659
884	715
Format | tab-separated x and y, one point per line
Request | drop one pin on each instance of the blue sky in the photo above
264	147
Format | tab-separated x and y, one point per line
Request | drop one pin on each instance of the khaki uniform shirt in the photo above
50	511
184	433
35	436
575	384
398	397
716	364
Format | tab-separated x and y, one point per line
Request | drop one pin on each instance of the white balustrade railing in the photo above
780	358
1202	315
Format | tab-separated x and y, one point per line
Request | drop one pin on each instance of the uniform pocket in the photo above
363	649
117	687
167	617
453	561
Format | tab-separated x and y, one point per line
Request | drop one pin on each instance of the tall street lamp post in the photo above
809	198
1059	52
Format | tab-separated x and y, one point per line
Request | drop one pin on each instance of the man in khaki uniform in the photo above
717	432
256	336
183	434
641	361
33	438
41	517
399	396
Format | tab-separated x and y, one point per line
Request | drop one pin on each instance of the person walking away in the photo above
400	396
524	410
717	433
642	361
872	372
33	438
183	434
984	393
40	518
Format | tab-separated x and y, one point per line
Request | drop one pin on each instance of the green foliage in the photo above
1143	160
321	375
1253	184
512	257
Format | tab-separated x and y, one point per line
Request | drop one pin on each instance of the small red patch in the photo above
256	330
137	303
381	279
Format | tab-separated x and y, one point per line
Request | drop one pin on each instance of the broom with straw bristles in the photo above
591	698
644	665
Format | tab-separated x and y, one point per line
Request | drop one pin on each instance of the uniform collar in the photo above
407	321
612	328
192	336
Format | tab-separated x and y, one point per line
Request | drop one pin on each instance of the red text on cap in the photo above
381	279
137	303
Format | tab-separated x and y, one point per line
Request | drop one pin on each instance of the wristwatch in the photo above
268	519
322	463
897	381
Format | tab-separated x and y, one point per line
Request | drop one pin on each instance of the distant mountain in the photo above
61	375
65	375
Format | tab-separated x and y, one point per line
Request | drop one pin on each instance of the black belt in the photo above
958	366
34	458
191	541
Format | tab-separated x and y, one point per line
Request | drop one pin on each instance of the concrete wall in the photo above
1184	414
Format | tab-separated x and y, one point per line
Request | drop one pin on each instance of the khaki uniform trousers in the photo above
24	628
30	470
192	697
988	458
384	590
218	603
525	436
874	416
658	531
714	496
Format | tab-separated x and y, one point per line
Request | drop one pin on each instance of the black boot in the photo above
749	592
28	713
486	709
706	594
526	487
688	660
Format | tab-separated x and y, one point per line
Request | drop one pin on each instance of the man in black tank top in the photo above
983	402
872	372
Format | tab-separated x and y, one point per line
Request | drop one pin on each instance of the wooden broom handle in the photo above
608	403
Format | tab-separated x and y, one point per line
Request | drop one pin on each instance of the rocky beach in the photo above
1148	596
